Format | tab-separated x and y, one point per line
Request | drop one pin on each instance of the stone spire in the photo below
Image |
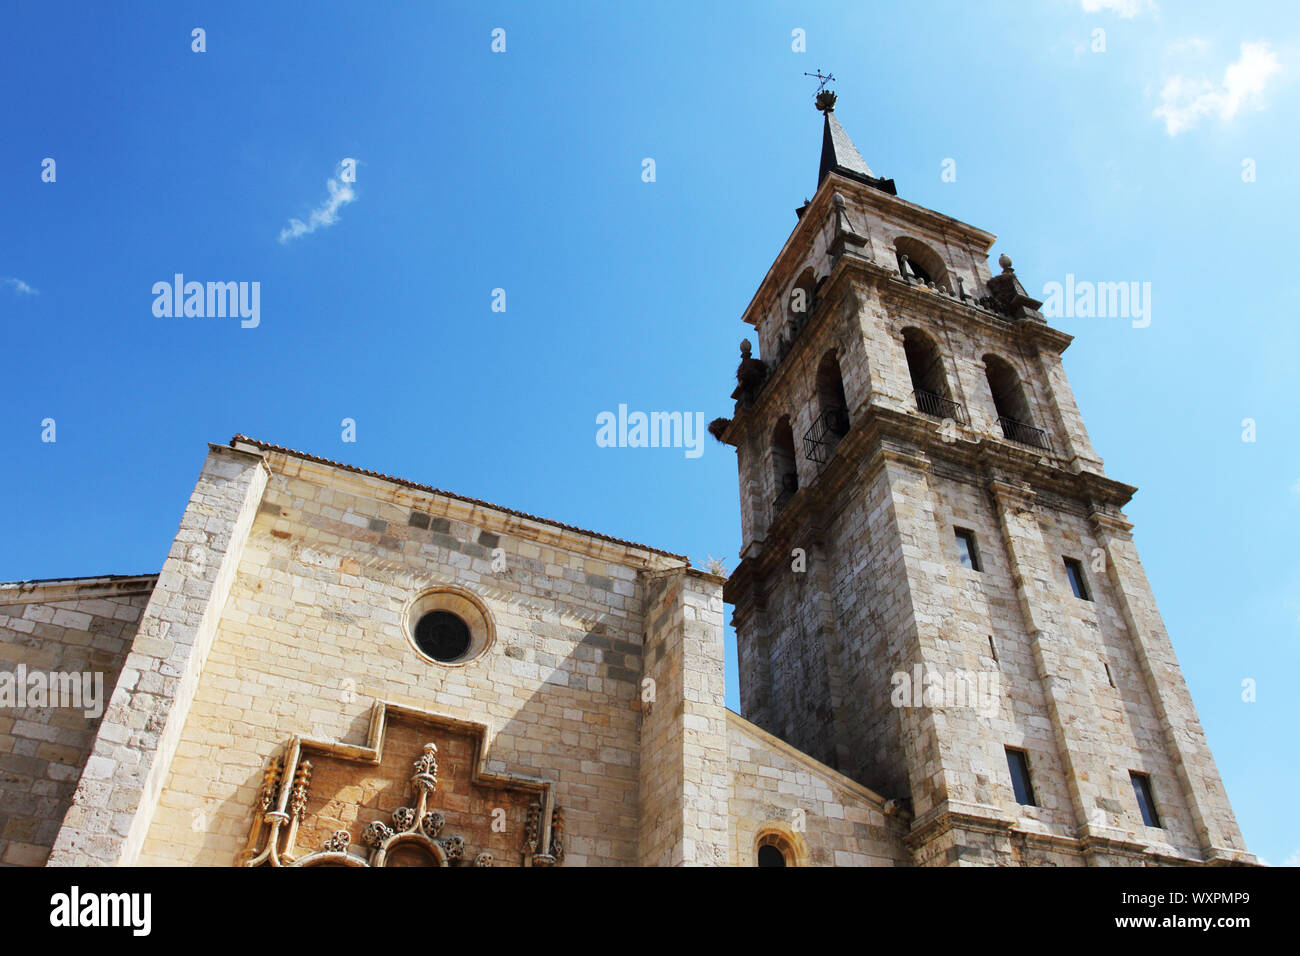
838	152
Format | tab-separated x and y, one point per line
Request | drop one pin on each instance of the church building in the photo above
949	653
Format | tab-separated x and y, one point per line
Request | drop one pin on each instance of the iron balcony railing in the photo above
1024	434
939	407
789	485
827	430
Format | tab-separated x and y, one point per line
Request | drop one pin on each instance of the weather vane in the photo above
822	80
825	98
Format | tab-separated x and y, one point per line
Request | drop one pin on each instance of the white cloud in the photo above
19	286
1185	101
1125	8
327	213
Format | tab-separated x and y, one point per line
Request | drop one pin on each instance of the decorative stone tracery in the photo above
412	835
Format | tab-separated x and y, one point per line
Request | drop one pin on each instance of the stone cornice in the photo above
1110	523
75	589
482	514
881	434
914	212
982	818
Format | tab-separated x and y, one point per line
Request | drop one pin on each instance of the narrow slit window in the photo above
1145	798
1018	764
1078	583
968	552
993	649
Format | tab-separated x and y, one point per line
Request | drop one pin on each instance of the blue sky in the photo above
522	171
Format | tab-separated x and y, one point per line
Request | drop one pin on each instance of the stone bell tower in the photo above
922	513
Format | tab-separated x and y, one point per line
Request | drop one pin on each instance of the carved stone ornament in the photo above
557	834
419	826
403	819
454	847
426	769
531	828
416	833
338	843
376	834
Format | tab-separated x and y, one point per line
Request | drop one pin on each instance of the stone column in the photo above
129	761
684	777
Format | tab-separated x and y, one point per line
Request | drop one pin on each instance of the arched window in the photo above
1014	416
803	296
786	478
929	381
919	261
799	306
770	855
830	391
776	847
832	421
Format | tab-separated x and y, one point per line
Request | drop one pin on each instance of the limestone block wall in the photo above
1076	695
1085	690
75	627
975	625
800	710
314	632
824	817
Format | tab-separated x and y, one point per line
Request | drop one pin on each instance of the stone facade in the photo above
271	700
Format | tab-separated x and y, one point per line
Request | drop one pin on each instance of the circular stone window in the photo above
442	636
448	626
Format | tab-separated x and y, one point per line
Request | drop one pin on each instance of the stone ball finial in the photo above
1004	261
745	348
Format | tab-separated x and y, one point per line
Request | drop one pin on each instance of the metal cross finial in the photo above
821	80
